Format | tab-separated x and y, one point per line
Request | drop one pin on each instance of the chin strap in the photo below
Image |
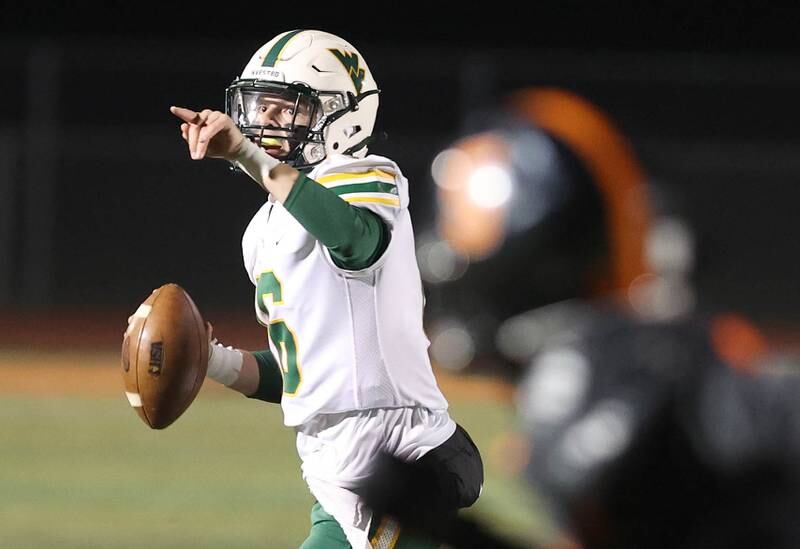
377	136
381	135
353	101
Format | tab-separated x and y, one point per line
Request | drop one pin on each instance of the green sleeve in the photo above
270	381
356	237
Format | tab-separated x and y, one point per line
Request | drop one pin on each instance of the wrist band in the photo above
224	363
254	161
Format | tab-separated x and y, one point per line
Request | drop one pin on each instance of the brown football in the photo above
164	356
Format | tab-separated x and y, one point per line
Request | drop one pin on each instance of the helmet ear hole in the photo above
352	130
336	146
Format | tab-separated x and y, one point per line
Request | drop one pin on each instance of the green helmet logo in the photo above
350	62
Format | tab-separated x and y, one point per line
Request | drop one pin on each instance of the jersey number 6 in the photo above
269	287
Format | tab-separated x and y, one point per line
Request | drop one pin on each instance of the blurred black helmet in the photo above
542	201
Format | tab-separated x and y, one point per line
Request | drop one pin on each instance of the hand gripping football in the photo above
164	356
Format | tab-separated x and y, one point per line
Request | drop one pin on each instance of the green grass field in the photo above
80	472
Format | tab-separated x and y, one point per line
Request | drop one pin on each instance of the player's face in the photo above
280	112
273	111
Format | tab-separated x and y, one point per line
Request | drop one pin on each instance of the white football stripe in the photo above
135	399
143	311
370	194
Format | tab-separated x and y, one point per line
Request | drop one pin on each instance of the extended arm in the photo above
355	237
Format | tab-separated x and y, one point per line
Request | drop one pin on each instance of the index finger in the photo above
187	115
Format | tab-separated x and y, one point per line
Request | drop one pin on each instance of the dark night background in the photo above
100	202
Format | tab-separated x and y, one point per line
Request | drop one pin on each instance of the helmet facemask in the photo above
286	120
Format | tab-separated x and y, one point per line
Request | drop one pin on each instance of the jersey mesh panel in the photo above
374	386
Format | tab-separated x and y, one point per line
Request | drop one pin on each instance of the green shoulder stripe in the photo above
366	187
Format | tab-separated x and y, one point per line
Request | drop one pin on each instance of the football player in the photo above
556	266
331	256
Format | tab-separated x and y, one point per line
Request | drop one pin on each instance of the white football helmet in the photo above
303	96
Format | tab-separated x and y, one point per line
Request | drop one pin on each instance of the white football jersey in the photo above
344	340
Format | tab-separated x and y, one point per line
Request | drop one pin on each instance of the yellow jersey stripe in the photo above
372	174
374	199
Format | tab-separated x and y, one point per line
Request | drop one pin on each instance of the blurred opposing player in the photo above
555	270
331	254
